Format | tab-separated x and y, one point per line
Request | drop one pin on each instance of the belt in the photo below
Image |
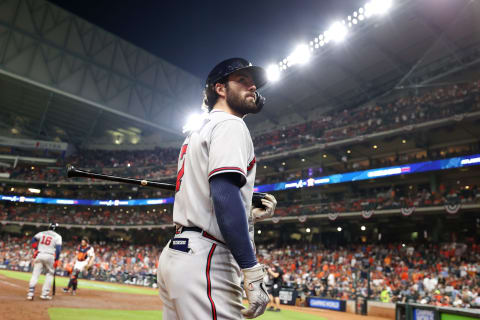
197	229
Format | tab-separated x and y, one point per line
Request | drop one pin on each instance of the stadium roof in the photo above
417	44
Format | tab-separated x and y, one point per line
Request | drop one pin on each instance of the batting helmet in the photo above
52	226
229	66
226	68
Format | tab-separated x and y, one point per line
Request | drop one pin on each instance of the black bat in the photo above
54	274
73	172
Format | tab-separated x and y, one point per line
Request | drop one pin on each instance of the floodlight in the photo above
339	229
355	21
301	55
308	230
378	6
273	73
363	228
337	32
361	17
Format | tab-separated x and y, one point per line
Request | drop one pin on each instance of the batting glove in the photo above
35	254
56	263
270	204
256	291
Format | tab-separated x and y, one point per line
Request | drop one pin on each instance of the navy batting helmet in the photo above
52	226
226	68
229	66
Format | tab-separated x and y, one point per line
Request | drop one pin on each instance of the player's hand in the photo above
270	204
35	254
256	291
56	263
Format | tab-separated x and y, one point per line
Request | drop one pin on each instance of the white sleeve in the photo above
59	240
38	236
228	149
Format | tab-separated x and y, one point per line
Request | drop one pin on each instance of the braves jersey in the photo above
222	144
83	253
47	241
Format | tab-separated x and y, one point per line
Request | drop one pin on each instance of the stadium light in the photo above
273	73
33	190
377	7
363	228
194	122
337	32
308	230
259	231
339	229
300	55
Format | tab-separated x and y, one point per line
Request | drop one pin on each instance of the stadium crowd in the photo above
445	274
339	125
114	262
334	126
407	196
394	197
110	216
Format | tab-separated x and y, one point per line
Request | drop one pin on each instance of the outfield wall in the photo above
414	311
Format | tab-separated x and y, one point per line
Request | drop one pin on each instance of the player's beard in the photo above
241	104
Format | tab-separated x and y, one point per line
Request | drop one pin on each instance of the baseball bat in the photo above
74	172
54	274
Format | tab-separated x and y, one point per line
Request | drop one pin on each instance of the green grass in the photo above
100	314
61	282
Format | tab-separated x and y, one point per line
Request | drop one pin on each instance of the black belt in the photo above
197	229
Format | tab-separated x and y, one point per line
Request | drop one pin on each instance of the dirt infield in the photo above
14	305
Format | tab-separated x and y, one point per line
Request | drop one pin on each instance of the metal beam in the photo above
90	103
44	114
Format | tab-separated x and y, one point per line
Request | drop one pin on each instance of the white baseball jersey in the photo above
222	144
47	241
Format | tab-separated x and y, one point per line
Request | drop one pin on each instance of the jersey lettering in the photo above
182	170
46	240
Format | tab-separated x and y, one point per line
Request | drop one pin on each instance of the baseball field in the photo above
105	301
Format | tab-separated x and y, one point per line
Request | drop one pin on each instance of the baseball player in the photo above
84	260
47	245
201	268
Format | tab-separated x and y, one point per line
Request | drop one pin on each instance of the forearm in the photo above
232	220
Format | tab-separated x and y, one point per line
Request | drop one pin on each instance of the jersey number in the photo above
46	240
182	170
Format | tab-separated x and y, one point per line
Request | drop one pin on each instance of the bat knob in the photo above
70	170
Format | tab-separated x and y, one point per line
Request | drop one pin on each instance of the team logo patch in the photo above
180	244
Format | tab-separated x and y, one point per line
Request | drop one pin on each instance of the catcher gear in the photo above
257	295
269	203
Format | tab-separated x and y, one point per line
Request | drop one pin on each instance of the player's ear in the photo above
220	89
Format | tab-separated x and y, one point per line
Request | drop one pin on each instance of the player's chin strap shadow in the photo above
259	100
